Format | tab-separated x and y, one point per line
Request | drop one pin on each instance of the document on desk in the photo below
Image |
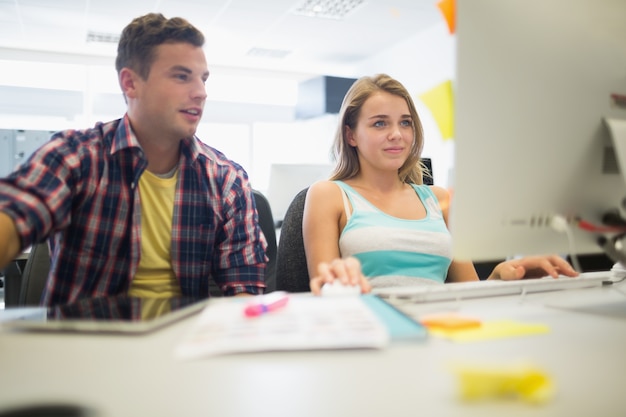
305	323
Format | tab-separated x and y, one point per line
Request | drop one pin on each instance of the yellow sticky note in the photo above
439	101
509	381
492	330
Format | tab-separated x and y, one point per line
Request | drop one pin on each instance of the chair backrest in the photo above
35	275
266	221
12	282
292	274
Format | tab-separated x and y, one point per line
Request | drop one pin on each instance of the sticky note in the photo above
448	10
439	101
449	321
492	330
508	381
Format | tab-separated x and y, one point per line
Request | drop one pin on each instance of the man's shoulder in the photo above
100	132
209	155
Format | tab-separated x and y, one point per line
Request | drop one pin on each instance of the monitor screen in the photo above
535	82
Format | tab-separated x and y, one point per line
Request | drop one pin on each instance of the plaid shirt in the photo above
80	191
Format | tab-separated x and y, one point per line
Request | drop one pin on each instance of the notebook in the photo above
306	322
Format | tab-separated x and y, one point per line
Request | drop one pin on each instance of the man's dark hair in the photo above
136	48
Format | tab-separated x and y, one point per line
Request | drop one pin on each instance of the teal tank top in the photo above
389	246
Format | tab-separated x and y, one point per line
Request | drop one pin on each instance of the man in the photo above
139	204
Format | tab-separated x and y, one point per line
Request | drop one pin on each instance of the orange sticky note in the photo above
448	9
449	321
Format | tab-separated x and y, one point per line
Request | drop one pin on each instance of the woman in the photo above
373	222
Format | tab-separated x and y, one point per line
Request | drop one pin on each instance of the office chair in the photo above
12	283
266	221
292	274
35	275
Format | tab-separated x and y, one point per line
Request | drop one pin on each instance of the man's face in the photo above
169	103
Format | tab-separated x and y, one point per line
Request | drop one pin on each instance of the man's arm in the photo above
9	240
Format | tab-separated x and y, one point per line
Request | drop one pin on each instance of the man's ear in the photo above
128	82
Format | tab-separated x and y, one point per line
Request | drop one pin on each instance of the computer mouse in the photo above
336	288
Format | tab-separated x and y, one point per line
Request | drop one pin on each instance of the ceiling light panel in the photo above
327	9
102	37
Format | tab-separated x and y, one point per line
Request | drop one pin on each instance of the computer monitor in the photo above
534	84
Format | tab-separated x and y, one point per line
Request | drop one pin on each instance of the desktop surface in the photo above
122	375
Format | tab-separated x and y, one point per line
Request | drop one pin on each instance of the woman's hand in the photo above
347	271
533	267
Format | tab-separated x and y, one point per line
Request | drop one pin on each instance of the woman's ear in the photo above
349	136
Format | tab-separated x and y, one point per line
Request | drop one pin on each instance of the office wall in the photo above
256	146
256	133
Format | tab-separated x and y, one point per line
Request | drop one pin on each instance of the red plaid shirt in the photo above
80	191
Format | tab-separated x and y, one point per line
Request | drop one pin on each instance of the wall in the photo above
257	133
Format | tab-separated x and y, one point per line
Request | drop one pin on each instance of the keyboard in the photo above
489	288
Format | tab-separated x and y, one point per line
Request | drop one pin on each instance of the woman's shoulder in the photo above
324	197
323	188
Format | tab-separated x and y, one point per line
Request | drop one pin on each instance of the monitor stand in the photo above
615	246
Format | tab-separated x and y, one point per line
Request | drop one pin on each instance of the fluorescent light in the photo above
327	9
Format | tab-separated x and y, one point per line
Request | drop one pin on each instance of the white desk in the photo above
121	376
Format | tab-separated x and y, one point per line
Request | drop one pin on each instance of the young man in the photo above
139	204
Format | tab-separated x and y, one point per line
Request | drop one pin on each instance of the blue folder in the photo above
401	327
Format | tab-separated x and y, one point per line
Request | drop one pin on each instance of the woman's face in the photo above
383	135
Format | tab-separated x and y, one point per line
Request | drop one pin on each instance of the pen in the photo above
266	304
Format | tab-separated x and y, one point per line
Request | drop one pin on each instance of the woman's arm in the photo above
458	271
462	271
323	220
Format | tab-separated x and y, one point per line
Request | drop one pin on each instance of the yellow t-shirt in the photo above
155	277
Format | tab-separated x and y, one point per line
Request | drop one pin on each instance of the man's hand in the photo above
9	240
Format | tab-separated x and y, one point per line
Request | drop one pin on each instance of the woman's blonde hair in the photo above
347	160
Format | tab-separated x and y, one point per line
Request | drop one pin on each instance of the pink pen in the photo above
266	304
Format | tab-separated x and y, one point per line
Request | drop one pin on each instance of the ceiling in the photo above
286	42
